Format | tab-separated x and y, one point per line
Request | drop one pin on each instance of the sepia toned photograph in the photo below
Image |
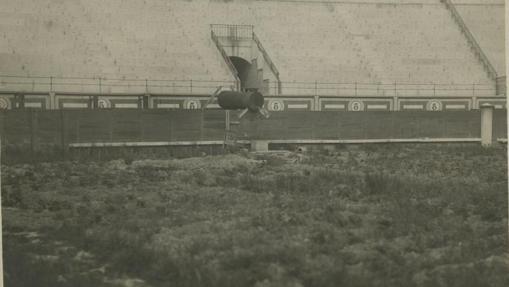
253	143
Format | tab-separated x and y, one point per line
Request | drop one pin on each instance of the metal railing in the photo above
102	85
383	89
83	85
233	32
471	39
227	60
267	59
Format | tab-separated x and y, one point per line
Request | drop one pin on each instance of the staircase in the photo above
227	60
488	67
241	41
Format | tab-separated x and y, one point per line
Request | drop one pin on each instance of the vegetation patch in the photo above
380	215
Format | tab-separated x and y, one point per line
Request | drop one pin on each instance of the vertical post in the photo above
146	101
52	101
227	120
226	128
486	124
32	136
62	132
316	104
1	235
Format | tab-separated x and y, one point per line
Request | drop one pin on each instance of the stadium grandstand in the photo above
302	55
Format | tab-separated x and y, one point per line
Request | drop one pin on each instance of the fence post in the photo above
62	132
32	130
486	125
1	243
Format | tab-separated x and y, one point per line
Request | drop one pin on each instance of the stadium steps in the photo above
486	23
474	45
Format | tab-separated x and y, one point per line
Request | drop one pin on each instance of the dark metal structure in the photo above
249	101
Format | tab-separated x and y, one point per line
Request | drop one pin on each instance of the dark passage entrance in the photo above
247	73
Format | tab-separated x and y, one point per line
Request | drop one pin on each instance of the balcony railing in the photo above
233	32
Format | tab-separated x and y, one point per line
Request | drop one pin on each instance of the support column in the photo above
145	103
395	101
316	104
486	125
52	101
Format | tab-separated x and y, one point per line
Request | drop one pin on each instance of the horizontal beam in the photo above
361	141
290	141
144	144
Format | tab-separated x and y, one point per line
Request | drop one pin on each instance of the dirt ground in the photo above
374	215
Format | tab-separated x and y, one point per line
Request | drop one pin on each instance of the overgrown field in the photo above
375	215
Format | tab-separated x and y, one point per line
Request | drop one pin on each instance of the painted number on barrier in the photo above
276	105
356	106
192	104
4	103
103	103
434	106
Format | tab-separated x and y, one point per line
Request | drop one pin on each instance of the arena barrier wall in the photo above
37	129
403	97
374	125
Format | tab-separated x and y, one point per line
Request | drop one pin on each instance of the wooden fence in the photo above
39	128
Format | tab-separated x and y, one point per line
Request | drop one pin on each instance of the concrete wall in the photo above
308	41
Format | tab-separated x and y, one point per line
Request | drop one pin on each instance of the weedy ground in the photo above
374	215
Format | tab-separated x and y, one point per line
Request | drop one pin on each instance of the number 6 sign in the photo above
356	106
276	105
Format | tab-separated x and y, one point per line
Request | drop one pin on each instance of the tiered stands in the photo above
486	21
308	41
414	43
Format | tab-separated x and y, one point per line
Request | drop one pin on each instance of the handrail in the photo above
10	84
268	60
457	17
229	63
232	31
